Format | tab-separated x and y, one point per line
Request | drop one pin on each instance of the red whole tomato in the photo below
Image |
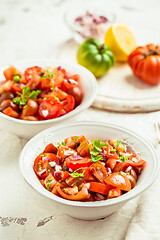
50	108
145	63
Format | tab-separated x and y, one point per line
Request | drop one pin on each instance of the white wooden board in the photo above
118	90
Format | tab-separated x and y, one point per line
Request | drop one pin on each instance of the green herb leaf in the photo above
113	151
25	95
75	138
48	76
76	174
96	158
123	158
117	144
61	144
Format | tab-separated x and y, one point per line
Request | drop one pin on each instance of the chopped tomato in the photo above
10	112
109	152
99	171
45	83
41	164
139	163
111	162
65	151
17	87
75	77
74	140
50	182
68	104
64	175
118	180
50	148
99	187
75	163
30	109
9	72
60	94
115	192
50	108
31	72
84	148
82	194
6	86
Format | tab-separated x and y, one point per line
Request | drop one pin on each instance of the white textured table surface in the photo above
35	29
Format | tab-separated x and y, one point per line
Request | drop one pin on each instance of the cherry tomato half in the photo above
76	92
50	108
68	104
30	72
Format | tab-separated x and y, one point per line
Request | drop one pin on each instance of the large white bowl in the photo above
28	129
89	210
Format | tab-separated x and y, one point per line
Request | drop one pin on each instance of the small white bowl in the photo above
81	33
89	210
28	129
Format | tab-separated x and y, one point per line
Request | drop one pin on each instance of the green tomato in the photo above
95	57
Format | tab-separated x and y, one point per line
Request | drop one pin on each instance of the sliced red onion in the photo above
42	172
118	161
58	168
52	164
128	169
108	169
59	68
76	157
45	159
57	175
102	154
78	19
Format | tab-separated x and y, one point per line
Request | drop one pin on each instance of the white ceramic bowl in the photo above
81	33
28	129
89	210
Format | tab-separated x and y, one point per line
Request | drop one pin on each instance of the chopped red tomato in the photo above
65	151
41	164
73	141
68	104
115	192
111	162
82	194
75	163
100	187
10	112
118	180
110	152
99	171
84	148
50	148
32	72
50	108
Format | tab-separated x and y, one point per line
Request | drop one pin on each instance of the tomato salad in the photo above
38	93
79	169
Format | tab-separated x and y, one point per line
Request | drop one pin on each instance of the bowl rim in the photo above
78	109
127	196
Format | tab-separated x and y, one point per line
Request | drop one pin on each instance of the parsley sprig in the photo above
123	158
25	96
97	148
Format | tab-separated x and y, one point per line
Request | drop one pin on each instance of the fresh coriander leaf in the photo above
76	174
49	181
33	95
113	151
123	158
117	144
75	138
48	186
63	143
96	158
48	76
94	152
26	91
